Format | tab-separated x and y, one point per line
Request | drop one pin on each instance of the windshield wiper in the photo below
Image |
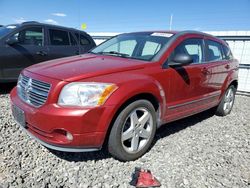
114	53
90	52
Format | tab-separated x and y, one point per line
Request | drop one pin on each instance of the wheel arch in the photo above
140	96
234	83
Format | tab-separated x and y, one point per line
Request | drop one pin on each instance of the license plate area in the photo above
19	115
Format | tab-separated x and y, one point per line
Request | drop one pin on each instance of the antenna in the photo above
171	22
79	37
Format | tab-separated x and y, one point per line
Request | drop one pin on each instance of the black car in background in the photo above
22	45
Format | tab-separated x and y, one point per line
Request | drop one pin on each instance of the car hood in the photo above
84	66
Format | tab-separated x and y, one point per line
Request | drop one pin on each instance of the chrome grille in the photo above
33	92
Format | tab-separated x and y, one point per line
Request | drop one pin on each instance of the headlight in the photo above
85	94
19	84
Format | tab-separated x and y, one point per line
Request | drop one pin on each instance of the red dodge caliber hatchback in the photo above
123	90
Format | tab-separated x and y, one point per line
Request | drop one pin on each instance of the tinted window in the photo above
213	51
58	37
72	40
83	39
227	52
30	36
192	47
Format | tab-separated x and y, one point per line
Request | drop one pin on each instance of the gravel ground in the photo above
199	151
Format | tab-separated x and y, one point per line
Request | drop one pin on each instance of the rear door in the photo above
60	44
30	49
217	65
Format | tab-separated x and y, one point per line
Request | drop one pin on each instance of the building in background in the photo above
239	42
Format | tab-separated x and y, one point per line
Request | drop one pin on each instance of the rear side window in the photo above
83	40
58	37
30	36
192	47
214	52
227	52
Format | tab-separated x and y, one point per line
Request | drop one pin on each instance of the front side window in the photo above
58	37
214	52
192	47
142	46
30	36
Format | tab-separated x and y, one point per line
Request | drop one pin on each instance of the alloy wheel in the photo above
229	100
137	130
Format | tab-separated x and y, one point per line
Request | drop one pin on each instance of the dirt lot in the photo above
200	151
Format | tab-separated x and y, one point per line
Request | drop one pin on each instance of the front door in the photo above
28	50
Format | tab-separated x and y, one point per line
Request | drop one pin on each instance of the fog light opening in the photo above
69	136
63	135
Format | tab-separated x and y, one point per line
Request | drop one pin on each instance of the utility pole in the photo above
171	22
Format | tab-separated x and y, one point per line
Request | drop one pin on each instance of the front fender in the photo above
133	85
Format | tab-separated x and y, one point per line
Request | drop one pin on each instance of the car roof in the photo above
149	32
33	23
179	33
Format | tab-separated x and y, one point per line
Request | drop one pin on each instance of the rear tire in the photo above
133	131
227	102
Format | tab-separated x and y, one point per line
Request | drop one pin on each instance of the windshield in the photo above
143	46
6	29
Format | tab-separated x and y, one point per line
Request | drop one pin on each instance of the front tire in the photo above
227	102
133	131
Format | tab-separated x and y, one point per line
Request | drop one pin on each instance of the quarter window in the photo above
30	36
214	52
58	37
227	52
192	47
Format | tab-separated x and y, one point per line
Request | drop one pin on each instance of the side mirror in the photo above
11	41
181	60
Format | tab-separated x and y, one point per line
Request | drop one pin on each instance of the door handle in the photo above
227	66
41	53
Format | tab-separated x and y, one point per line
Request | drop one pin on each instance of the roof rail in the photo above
30	22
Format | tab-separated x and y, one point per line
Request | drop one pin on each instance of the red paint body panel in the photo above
180	92
84	66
